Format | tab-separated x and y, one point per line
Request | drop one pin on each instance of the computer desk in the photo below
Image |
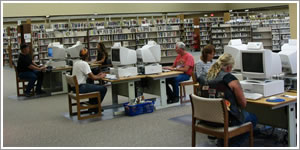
277	114
123	86
56	78
157	86
126	87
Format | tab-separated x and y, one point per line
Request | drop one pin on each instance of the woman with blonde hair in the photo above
220	83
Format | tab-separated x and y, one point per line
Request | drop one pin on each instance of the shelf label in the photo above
196	26
49	30
100	27
145	25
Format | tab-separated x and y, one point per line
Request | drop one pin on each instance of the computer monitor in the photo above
288	56
123	56
234	47
56	51
150	53
260	64
255	46
74	50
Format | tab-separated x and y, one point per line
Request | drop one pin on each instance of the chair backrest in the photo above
208	109
16	71
194	77
72	82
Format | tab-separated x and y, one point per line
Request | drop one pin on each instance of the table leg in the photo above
131	90
292	126
163	92
114	93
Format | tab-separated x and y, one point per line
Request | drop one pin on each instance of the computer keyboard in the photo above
253	96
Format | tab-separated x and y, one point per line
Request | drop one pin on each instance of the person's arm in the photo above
184	69
101	61
34	64
198	69
33	67
96	77
238	92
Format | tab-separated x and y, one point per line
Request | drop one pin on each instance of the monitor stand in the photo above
264	87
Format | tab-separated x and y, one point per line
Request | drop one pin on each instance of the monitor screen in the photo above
253	62
260	64
50	52
115	53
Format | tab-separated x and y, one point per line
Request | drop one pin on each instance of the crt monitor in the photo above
56	51
149	53
288	56
74	50
234	47
260	64
123	56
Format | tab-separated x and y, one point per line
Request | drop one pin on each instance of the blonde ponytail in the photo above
224	60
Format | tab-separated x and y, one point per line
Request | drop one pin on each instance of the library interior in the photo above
194	74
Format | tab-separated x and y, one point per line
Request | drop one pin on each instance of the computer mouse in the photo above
273	98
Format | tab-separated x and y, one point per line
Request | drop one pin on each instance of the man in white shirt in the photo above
83	71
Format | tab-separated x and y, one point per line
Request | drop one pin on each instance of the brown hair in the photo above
102	48
208	49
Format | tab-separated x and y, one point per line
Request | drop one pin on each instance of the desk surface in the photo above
272	104
125	78
66	68
164	74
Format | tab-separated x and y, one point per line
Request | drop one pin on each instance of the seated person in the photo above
83	71
183	62
206	60
29	70
102	58
220	83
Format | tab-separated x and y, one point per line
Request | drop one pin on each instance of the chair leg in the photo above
24	87
251	137
99	106
225	141
180	93
78	109
70	105
193	137
184	93
18	88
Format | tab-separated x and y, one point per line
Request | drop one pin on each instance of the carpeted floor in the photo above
42	122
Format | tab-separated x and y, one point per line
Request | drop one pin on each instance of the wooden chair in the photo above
79	98
21	83
182	88
215	110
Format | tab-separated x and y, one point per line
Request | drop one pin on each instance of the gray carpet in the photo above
42	122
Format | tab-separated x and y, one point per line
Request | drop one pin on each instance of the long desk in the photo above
55	80
157	86
277	114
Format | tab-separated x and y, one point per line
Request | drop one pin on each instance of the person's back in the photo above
23	62
81	70
219	88
220	83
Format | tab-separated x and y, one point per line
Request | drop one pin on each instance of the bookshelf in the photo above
220	35
167	36
188	26
206	24
262	34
